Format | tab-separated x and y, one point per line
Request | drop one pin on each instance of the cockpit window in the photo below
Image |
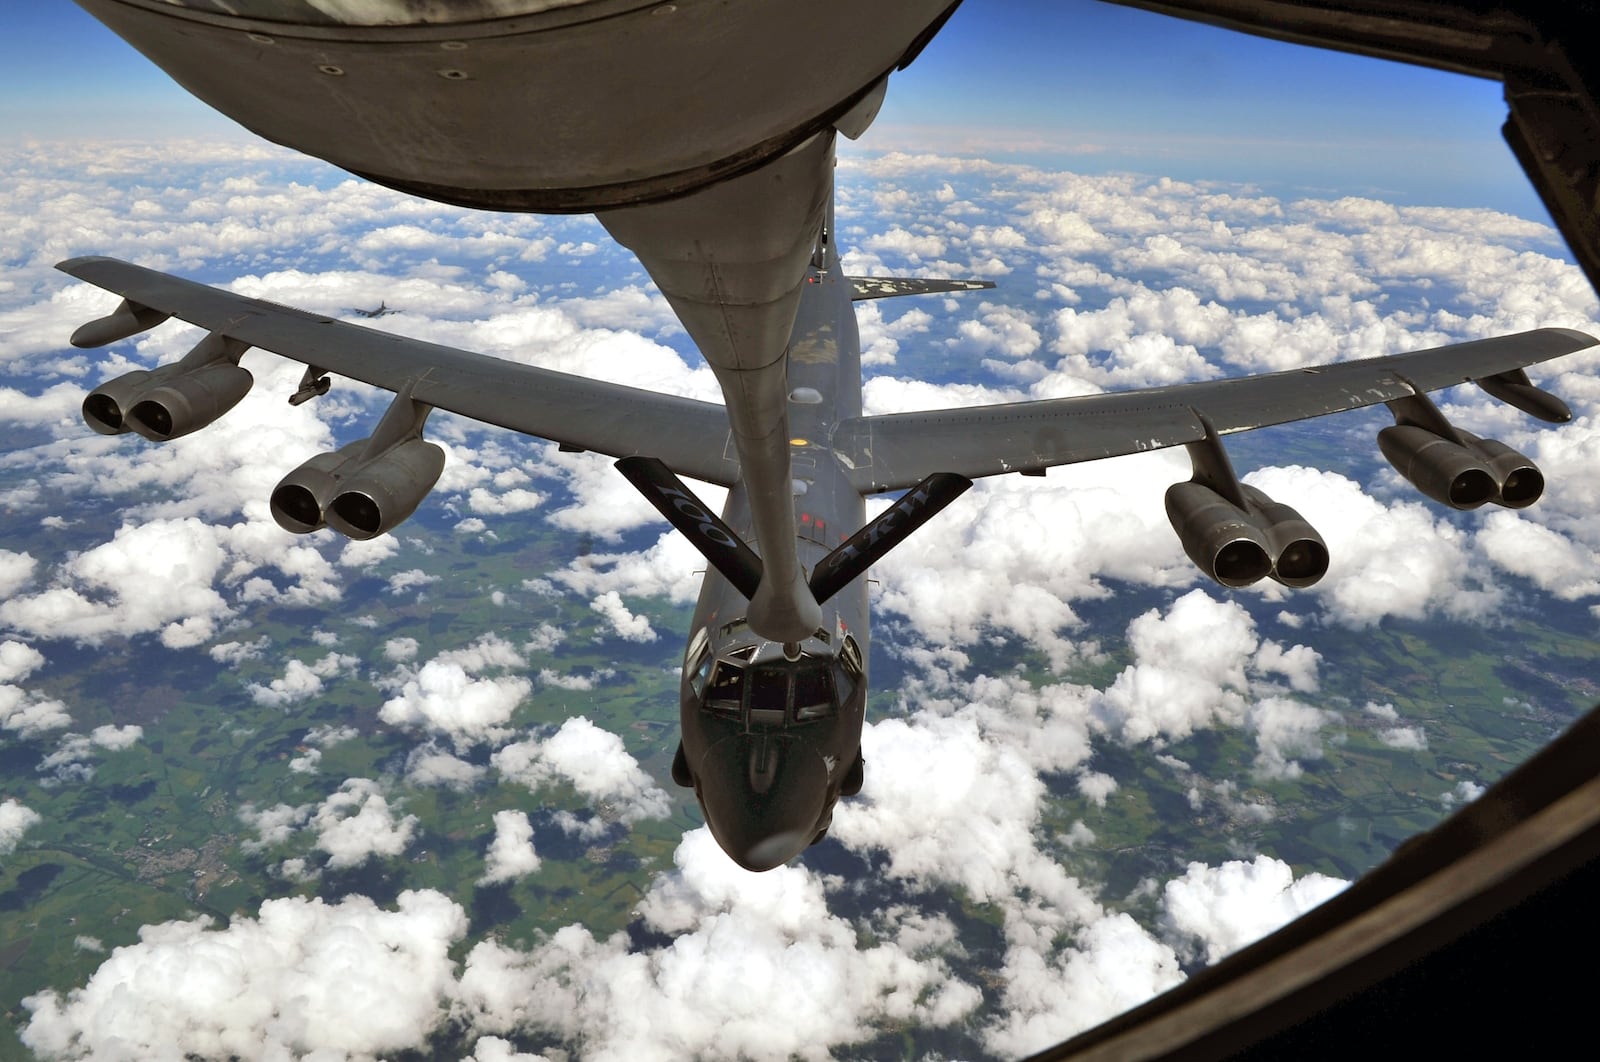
697	681
774	694
850	658
697	661
726	689
769	690
813	693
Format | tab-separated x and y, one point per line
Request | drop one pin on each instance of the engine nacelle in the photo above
1518	481
1237	547
189	401
298	501
1462	475
1221	539
106	407
175	399
168	402
386	490
358	496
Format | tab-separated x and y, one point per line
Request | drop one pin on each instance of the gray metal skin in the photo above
767	779
553	106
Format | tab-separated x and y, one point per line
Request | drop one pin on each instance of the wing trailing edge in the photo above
894	451
574	411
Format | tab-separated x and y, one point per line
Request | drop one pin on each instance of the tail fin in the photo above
888	287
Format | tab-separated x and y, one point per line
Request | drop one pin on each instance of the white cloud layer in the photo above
593	761
15	820
1117	281
303	978
450	696
357	822
511	854
1213	911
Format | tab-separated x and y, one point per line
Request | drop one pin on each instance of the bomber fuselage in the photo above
770	741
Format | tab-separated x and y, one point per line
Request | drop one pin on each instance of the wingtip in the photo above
71	266
1582	339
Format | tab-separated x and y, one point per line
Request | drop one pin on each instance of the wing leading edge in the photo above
690	437
894	451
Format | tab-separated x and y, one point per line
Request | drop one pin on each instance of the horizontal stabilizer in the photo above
893	526
888	287
715	540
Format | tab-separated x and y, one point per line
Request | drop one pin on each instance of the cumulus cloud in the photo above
400	649
16	569
1190	670
1464	792
668	568
357	822
111	589
289	982
15	820
687	1000
24	713
273	825
235	653
593	761
511	854
624	623
451	696
944	804
326	735
1285	729
516	500
116	737
429	765
301	680
1404	737
410	579
1212	911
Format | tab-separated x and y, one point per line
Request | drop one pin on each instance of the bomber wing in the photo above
895	451
690	437
863	288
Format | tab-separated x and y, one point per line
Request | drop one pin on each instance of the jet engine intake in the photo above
1217	535
1237	547
1464	474
298	501
360	497
386	490
168	402
367	487
189	401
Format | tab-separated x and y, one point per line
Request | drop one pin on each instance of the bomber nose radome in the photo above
763	796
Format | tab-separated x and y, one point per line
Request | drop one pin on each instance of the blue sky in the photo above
1074	84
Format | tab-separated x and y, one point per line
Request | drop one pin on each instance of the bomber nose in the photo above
763	797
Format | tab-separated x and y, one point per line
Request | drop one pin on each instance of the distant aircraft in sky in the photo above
381	310
722	184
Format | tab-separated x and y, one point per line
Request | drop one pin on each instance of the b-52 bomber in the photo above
721	181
